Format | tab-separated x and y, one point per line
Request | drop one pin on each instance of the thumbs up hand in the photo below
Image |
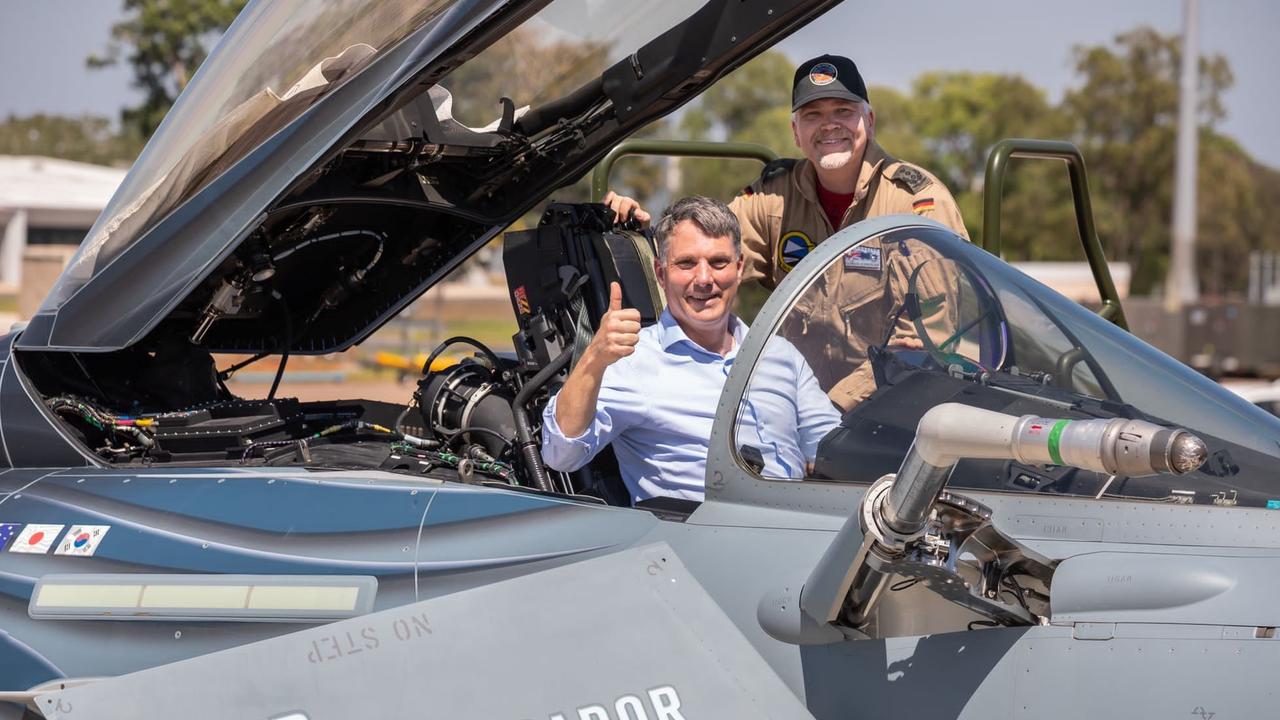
618	334
617	337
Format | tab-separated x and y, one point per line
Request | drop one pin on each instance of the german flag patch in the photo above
922	206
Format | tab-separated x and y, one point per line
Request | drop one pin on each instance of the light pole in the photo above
1181	286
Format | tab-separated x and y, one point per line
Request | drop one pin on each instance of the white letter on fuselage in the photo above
666	703
630	707
593	712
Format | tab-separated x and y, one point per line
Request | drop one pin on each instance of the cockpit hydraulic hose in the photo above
524	430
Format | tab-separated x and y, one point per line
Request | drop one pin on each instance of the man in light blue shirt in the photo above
653	392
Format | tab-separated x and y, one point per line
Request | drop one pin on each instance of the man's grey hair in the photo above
711	216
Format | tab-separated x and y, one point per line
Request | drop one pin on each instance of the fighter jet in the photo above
1031	513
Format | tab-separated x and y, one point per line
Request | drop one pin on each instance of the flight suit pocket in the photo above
857	289
796	324
862	315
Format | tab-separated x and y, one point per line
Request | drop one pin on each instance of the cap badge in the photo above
822	74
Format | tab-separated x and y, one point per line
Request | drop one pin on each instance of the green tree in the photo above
1126	122
1265	226
949	125
86	139
764	83
1237	211
896	125
751	104
163	41
961	115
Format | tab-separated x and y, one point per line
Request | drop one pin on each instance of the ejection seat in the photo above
559	275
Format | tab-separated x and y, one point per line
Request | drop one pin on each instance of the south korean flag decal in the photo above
792	248
862	258
82	540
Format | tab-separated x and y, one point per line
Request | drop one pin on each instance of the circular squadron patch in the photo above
822	74
792	248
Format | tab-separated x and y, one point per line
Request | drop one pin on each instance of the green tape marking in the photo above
1054	436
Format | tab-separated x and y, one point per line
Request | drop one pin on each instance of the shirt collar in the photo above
670	333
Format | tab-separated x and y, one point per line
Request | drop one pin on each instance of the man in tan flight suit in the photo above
844	177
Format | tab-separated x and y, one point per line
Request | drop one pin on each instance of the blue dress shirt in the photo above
657	406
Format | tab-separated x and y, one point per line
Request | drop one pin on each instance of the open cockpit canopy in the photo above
331	160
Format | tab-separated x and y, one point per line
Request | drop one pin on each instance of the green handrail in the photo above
673	148
997	167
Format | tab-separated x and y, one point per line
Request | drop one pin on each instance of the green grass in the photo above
495	332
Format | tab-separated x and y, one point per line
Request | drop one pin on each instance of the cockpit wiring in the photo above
112	425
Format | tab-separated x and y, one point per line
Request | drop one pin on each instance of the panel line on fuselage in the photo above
24	487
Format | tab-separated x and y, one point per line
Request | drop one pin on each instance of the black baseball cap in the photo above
827	76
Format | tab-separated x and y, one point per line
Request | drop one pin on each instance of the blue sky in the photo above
43	44
893	42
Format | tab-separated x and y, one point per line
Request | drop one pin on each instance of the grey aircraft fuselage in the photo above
1158	610
170	550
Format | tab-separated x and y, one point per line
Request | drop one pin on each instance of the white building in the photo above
44	201
1075	279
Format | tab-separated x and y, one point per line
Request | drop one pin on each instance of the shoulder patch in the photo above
781	166
792	248
910	177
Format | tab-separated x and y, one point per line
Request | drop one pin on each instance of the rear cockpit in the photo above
958	325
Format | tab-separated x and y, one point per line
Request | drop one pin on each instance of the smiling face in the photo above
833	133
700	276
